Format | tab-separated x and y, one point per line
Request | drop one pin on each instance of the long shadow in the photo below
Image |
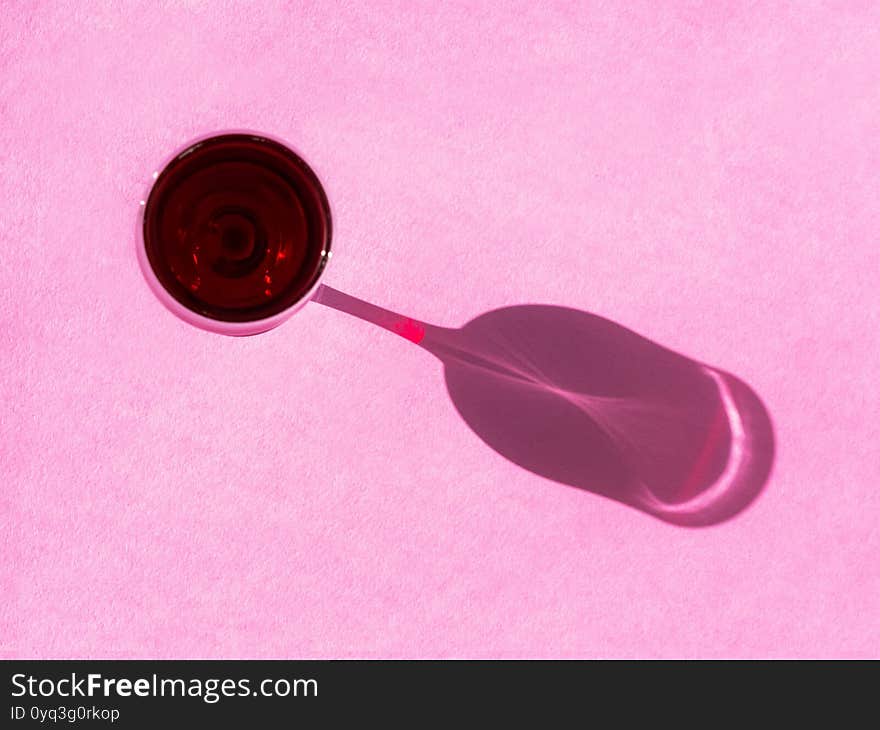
586	402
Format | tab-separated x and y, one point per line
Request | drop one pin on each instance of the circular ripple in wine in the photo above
237	228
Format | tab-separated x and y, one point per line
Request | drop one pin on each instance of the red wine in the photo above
237	228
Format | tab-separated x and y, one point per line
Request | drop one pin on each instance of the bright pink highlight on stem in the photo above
410	329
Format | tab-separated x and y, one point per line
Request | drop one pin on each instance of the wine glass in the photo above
235	233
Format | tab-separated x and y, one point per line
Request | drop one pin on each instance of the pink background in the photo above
706	174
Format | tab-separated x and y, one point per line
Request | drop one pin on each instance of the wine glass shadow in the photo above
581	400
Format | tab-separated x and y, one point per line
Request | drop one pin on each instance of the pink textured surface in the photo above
703	173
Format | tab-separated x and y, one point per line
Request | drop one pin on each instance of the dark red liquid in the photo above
237	228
